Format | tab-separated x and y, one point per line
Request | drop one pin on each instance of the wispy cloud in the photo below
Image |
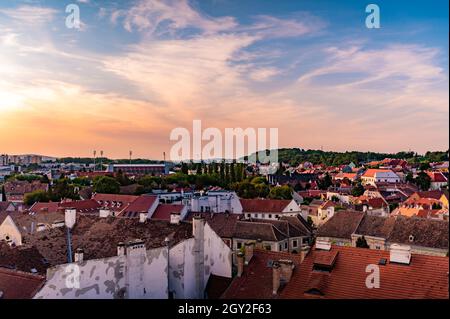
30	15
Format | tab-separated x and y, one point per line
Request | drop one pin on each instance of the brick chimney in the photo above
248	251
79	255
276	274
240	263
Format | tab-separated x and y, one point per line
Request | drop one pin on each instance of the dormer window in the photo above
411	238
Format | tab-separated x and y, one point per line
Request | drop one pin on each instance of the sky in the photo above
136	70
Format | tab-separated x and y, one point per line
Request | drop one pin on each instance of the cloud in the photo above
264	74
30	15
148	15
273	27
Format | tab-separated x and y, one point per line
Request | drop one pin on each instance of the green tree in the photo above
423	181
184	168
106	185
280	192
62	189
361	242
325	182
409	177
246	189
36	196
358	190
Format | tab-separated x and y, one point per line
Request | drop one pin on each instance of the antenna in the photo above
95	153
101	160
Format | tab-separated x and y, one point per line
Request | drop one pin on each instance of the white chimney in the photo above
79	255
121	249
142	217
323	245
70	217
174	218
104	213
400	254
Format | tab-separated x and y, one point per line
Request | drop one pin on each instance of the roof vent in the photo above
400	254
382	262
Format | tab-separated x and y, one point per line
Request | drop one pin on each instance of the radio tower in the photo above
95	153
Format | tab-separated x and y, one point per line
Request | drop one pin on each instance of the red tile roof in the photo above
113	201
426	277
256	280
82	206
19	285
50	207
163	211
141	204
437	177
264	205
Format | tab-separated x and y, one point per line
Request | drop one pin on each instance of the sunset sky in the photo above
137	69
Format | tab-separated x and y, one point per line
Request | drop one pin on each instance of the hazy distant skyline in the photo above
138	69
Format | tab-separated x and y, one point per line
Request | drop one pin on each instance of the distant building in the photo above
139	169
216	202
373	176
425	236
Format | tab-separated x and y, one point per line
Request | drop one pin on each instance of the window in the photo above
270	215
294	243
267	247
249	215
280	248
239	245
377	247
285	245
255	215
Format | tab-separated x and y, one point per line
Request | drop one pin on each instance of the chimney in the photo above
248	251
286	266
121	249
303	253
70	217
323	245
174	218
400	254
103	213
276	273
198	231
259	244
79	255
142	217
240	263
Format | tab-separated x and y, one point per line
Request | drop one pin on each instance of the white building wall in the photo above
108	278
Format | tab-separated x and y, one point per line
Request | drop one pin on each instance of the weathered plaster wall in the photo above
9	229
132	276
217	255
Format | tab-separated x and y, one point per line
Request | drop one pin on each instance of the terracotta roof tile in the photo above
19	285
263	205
426	277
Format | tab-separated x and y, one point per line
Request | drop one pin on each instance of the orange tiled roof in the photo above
425	278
